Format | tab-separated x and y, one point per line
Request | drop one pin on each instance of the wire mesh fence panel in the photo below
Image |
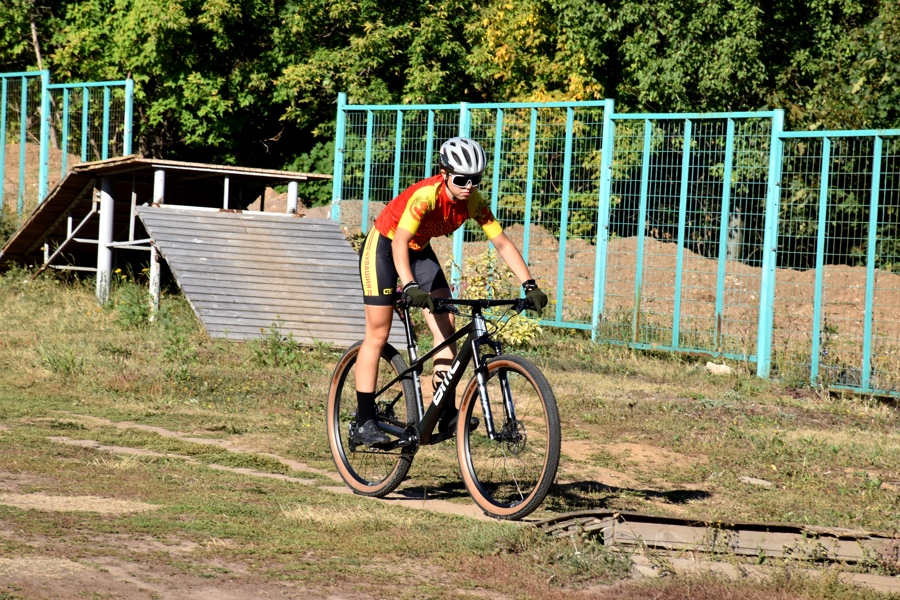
525	184
580	214
87	123
883	360
841	264
20	144
384	152
354	174
620	300
656	213
795	279
702	229
837	260
744	226
446	126
686	221
691	198
507	189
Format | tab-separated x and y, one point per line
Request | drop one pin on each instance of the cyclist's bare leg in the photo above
442	326
378	327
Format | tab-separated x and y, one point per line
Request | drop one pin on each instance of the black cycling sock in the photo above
365	407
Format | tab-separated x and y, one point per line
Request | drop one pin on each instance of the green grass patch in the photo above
642	432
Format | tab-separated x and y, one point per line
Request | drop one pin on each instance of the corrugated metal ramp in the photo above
242	272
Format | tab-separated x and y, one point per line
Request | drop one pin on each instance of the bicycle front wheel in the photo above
509	477
370	471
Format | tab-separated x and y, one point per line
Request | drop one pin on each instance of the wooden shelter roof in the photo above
187	184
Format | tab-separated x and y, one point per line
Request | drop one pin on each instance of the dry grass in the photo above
650	433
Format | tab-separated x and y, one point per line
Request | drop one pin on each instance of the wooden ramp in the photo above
247	272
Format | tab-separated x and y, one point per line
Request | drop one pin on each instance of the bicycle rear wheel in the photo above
370	471
509	477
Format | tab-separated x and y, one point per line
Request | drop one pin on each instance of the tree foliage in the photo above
255	81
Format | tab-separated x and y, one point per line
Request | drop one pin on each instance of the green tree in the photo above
380	53
16	48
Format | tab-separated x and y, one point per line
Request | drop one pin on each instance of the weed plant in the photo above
484	277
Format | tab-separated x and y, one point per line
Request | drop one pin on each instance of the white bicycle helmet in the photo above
463	156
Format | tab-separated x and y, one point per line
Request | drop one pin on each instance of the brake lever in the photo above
441	307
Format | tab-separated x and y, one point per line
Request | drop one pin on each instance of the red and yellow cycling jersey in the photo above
426	210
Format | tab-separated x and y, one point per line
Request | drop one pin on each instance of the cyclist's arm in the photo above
511	255
400	251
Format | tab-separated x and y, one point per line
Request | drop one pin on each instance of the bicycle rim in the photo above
368	471
510	477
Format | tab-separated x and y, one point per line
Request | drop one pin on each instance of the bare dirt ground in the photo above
130	570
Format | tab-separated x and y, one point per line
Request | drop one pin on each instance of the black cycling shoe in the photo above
369	434
449	419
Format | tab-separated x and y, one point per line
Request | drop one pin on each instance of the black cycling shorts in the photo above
379	276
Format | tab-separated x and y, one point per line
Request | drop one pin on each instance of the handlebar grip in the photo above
441	307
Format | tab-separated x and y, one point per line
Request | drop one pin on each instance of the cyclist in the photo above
398	247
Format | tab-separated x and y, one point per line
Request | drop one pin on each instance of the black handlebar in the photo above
449	304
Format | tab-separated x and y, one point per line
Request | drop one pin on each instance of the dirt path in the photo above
121	575
577	451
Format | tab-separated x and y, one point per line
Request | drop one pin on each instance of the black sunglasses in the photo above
464	180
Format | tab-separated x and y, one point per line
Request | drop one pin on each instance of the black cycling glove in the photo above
417	297
535	296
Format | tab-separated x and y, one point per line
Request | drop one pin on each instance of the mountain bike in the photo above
508	461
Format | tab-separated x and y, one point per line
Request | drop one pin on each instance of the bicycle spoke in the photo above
509	477
368	471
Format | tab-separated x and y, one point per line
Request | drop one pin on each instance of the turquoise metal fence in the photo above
678	232
45	129
20	135
836	319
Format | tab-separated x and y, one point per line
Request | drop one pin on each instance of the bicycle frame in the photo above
476	335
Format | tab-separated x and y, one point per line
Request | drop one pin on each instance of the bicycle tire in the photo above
509	478
367	471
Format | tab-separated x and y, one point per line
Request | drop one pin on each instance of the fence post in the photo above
367	170
159	186
3	99
44	168
292	201
603	204
465	125
818	300
770	243
154	285
398	147
337	181
429	145
104	147
64	135
23	136
725	215
682	224
498	151
641	232
104	239
564	213
129	118
85	121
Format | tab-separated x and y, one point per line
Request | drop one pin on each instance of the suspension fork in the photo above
480	338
